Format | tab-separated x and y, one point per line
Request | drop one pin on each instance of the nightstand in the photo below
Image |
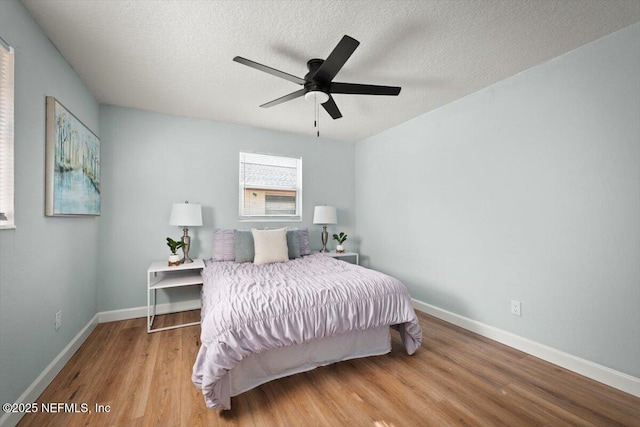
343	255
161	276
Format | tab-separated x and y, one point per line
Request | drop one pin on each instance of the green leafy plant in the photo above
340	237
173	245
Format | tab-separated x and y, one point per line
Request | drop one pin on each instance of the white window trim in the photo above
7	195
270	218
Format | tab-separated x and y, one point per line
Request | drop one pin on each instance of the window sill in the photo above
8	227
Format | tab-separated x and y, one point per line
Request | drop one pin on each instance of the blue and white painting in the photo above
73	164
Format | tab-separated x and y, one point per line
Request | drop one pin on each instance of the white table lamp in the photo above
325	215
186	215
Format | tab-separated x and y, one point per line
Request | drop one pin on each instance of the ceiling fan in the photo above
318	84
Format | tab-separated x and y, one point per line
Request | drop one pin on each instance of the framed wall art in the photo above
72	170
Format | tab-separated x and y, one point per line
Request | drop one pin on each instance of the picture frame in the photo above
72	164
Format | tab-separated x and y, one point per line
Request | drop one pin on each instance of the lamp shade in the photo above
186	215
325	215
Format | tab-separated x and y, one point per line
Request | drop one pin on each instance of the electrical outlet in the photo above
59	319
515	308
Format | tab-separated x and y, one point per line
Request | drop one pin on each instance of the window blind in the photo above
6	135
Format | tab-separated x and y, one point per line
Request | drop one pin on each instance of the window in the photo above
6	135
270	188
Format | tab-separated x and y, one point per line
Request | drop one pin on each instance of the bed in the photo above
265	321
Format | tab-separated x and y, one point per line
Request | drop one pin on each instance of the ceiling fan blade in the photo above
336	59
358	89
269	70
285	98
331	108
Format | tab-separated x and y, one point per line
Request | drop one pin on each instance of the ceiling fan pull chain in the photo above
316	121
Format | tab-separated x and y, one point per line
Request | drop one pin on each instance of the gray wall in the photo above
46	264
152	160
526	190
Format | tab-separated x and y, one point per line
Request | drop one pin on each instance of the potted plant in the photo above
174	258
340	238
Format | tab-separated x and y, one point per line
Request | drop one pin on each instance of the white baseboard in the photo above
135	312
608	376
36	388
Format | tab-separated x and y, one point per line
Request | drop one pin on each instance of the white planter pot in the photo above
174	259
339	248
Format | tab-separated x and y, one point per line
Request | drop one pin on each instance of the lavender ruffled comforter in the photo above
248	309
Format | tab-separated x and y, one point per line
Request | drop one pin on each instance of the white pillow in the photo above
270	246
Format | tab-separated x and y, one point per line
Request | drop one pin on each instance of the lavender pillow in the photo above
223	249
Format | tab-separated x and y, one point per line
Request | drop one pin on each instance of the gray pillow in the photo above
305	247
243	243
293	243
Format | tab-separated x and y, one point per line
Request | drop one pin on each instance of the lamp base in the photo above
325	238
185	249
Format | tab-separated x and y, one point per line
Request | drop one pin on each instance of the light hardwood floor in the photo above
456	378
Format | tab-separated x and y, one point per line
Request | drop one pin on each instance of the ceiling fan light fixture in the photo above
316	96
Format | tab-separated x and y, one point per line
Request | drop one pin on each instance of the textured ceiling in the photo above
176	56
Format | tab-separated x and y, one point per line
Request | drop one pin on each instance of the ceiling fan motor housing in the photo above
315	91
